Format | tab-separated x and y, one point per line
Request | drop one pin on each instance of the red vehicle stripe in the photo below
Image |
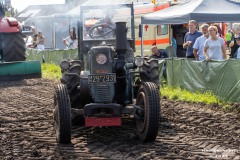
150	42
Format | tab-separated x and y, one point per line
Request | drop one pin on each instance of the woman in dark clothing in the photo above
234	48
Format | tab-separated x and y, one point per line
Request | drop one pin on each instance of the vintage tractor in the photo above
12	51
107	82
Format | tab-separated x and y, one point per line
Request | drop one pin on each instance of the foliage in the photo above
11	12
7	10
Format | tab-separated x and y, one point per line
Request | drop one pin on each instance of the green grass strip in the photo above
184	95
51	71
197	97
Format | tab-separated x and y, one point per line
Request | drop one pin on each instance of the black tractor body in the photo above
107	82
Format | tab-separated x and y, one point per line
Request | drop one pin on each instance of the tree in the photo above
7	10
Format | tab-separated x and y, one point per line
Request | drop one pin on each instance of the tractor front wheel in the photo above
62	115
148	112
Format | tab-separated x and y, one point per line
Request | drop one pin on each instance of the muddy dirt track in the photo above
187	131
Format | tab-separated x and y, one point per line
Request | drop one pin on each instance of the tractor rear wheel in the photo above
148	114
62	115
13	47
150	67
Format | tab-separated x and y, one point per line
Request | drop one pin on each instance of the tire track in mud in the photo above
187	131
26	107
209	133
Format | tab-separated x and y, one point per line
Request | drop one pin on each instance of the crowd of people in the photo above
208	44
38	41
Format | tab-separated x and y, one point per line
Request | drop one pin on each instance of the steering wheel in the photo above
101	30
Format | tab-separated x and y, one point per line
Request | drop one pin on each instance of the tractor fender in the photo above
9	25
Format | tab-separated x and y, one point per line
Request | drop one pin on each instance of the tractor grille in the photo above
102	93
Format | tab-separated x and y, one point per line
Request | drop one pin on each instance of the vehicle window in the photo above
99	23
162	29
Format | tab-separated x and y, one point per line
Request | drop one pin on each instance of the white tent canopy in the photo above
199	10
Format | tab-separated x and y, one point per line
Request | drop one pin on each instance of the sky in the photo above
22	4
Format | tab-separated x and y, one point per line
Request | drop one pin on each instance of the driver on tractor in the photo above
105	27
108	19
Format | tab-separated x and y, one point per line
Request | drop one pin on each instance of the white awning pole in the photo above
142	40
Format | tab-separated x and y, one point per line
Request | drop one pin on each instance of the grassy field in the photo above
51	71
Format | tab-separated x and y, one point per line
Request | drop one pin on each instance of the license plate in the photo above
102	78
98	121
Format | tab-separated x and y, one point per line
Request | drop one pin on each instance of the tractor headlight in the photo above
64	65
101	58
138	61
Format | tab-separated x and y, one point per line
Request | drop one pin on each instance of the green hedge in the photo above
51	56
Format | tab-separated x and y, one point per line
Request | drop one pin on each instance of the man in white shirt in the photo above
199	43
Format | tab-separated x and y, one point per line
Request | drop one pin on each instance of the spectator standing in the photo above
190	38
234	46
41	40
228	38
174	44
220	34
199	43
34	37
214	47
238	50
71	41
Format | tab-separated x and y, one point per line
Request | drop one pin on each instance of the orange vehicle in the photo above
152	34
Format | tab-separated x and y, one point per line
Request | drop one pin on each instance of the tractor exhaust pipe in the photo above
121	49
121	38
